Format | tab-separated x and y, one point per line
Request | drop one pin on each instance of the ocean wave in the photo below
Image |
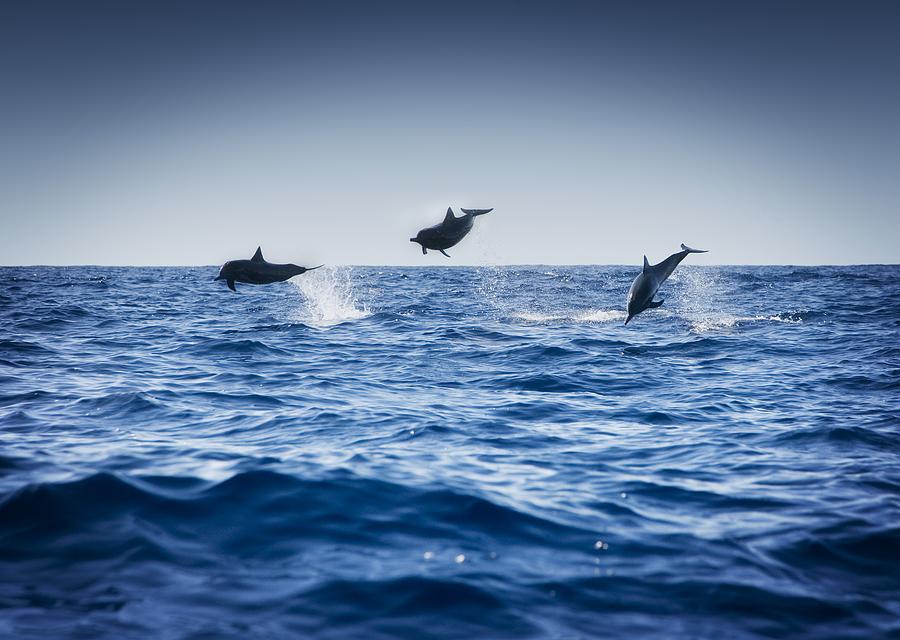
714	607
31	396
843	436
448	452
22	353
885	381
706	346
246	515
381	608
227	347
872	549
119	404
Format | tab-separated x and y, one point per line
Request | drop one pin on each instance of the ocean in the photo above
430	453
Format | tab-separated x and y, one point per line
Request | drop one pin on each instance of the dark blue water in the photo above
449	453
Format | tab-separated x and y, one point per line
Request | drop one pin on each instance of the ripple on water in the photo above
449	452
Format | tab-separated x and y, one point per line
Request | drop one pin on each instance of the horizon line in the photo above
454	266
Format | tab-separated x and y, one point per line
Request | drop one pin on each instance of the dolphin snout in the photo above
413	240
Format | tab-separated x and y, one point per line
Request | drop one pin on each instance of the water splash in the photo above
726	321
698	297
589	315
600	315
702	299
493	285
530	295
328	297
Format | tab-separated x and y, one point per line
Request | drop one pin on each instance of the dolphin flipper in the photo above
653	304
444	252
231	285
424	251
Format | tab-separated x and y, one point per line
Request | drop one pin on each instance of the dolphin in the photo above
449	232
257	271
651	277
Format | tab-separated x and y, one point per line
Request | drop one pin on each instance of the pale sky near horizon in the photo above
171	134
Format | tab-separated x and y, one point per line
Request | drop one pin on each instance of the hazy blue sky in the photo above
767	132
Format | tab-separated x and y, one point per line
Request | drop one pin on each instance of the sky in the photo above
190	133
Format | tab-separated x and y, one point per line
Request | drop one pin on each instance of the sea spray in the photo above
328	297
532	294
696	295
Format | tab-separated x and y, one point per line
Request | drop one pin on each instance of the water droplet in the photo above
493	555
328	298
598	545
460	558
428	555
624	495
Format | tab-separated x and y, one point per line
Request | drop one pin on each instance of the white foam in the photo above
592	315
600	315
328	297
530	316
700	296
724	321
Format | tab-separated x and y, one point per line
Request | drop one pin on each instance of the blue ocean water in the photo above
449	453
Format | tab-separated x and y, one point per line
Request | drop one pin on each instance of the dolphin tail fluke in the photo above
230	283
476	212
684	247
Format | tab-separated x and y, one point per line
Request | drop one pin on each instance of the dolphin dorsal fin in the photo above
258	257
646	264
449	216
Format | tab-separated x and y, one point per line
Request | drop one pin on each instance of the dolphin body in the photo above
449	232
257	271
651	277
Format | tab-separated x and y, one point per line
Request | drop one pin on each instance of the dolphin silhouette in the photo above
645	286
257	271
450	231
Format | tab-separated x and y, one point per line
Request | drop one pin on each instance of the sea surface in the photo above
385	452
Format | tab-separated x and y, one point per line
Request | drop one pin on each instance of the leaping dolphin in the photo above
645	286
257	271
449	232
